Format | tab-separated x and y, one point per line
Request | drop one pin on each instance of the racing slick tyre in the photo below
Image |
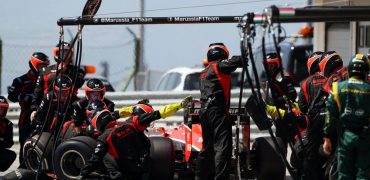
268	162
32	153
162	158
72	155
25	174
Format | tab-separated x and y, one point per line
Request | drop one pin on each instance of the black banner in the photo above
285	15
149	20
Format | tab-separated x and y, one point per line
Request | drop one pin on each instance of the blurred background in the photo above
29	26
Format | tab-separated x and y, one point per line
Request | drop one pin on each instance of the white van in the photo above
187	79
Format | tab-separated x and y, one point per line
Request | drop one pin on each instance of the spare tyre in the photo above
162	154
268	161
33	152
72	155
25	174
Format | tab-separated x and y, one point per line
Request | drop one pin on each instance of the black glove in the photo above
236	58
115	115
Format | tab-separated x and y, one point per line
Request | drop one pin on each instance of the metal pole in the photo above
135	69
1	62
139	80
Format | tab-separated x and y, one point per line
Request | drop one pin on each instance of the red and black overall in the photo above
214	160
128	148
6	141
21	91
310	88
44	83
6	134
54	116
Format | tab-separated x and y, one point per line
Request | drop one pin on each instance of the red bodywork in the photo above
190	137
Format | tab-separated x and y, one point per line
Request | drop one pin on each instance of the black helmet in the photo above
94	88
142	109
272	62
66	48
63	85
313	62
4	105
329	62
358	66
98	115
217	51
38	60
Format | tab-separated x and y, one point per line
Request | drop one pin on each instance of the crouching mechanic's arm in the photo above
143	120
96	158
127	111
123	112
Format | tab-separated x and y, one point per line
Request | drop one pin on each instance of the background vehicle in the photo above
294	52
187	79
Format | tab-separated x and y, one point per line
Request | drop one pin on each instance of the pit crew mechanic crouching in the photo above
53	108
126	143
94	90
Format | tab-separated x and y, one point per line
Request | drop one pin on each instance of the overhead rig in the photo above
273	14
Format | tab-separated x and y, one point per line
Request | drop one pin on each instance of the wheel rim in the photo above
33	158
71	164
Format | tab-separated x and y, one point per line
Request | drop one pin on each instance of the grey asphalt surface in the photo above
16	162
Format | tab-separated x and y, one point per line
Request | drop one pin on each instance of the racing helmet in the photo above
142	109
66	56
358	66
313	62
272	62
94	89
37	61
217	52
62	86
98	115
4	105
330	62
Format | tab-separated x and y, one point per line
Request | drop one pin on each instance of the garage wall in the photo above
333	36
338	39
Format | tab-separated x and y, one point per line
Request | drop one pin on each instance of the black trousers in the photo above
25	129
214	159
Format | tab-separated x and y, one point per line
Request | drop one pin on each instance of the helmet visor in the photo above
272	67
94	95
41	65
